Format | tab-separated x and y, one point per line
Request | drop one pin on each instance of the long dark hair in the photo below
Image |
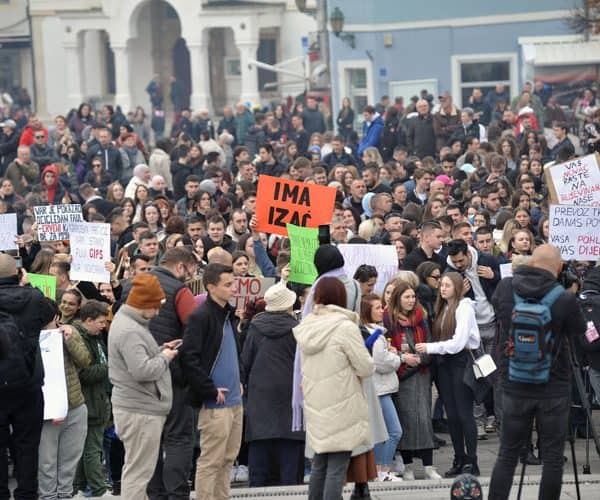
445	321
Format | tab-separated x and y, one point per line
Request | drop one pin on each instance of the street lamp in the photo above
337	26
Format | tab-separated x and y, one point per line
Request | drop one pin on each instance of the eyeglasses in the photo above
96	164
436	277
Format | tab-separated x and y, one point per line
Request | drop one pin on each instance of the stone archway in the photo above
156	47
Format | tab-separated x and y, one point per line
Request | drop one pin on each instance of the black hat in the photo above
327	258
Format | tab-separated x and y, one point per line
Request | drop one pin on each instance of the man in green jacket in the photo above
94	384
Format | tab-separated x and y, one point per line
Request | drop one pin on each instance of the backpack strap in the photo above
550	298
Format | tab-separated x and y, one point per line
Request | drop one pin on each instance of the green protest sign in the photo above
46	284
304	242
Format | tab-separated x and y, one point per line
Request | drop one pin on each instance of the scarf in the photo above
398	334
297	397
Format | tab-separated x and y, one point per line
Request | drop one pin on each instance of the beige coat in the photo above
333	358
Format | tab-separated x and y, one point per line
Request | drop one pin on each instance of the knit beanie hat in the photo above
146	292
466	487
279	298
327	258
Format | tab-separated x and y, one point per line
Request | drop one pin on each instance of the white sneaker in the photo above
409	473
431	473
241	475
398	465
232	474
388	477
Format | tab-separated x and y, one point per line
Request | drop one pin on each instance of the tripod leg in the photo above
522	476
572	442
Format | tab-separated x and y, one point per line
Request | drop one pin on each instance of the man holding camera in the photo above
21	379
549	401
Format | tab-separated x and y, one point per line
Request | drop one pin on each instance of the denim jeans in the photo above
384	452
552	417
328	475
595	382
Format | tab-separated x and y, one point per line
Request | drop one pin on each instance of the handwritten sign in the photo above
304	242
383	257
46	284
8	231
56	403
249	288
576	182
282	201
53	221
575	231
90	249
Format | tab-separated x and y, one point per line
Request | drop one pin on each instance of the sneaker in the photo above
431	473
409	473
388	477
232	474
481	434
306	479
490	425
398	465
241	475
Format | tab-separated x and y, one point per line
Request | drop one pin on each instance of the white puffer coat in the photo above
333	358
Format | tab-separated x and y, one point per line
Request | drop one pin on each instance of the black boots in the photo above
361	492
456	469
470	466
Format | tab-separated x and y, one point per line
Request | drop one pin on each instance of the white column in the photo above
94	64
248	49
123	87
73	70
200	97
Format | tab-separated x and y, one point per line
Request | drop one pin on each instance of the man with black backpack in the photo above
538	321
21	379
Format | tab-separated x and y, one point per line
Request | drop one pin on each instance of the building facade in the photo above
108	50
404	47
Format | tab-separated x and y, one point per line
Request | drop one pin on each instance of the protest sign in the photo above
304	242
506	270
56	404
383	257
282	201
90	249
8	231
575	231
249	288
576	182
53	221
46	284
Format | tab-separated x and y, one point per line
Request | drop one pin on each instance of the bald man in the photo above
549	402
21	378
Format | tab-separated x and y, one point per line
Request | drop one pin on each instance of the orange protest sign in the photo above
282	201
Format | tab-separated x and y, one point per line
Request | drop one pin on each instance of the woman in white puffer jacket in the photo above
334	359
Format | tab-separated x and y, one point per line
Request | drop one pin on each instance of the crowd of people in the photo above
171	388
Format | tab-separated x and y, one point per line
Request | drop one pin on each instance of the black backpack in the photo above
17	355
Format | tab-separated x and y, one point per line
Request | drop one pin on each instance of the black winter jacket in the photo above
420	136
268	362
201	345
392	135
8	150
567	323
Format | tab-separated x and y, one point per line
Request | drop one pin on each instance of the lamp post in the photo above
337	26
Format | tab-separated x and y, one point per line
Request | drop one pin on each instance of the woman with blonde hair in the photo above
372	155
455	333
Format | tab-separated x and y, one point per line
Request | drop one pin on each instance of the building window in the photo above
483	71
233	68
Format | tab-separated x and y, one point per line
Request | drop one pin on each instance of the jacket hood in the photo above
315	331
51	169
474	257
529	281
274	325
327	258
592	280
13	298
